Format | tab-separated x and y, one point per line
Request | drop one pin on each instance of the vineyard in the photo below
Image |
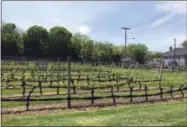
43	85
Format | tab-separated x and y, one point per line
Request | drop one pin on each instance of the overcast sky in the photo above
102	21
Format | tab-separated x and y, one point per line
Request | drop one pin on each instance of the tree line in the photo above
37	41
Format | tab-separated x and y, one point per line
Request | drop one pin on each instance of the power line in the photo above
157	26
161	25
157	16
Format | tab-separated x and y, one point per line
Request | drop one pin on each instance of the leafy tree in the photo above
157	55
11	40
138	52
117	53
184	44
60	42
36	41
149	55
83	46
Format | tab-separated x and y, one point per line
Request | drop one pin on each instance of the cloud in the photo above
48	14
169	9
84	29
162	20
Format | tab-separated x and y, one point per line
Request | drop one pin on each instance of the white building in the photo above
180	58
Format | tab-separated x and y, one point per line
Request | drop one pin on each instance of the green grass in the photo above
162	114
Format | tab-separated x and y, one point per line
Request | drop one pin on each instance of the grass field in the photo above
159	114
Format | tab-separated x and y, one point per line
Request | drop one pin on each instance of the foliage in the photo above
59	42
184	44
138	52
36	41
11	40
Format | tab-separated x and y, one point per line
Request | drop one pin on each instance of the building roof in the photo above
179	52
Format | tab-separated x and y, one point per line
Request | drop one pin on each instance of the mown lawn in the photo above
159	114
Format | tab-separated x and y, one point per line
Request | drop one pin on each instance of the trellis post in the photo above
69	82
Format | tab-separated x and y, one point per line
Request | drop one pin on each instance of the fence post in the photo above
51	82
57	90
23	87
131	90
69	82
92	91
160	79
112	92
7	84
74	89
146	93
181	89
40	86
58	76
161	92
117	81
140	85
171	91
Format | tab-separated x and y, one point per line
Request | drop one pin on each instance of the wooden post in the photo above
171	91
114	101
131	90
140	85
23	88
69	82
117	82
58	76
40	86
74	89
57	90
92	91
181	89
160	79
146	93
161	93
51	83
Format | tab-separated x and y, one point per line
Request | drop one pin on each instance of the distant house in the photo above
179	60
155	62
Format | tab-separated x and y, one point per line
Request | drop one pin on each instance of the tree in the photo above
11	40
117	53
138	52
83	46
149	56
157	55
184	44
36	41
60	42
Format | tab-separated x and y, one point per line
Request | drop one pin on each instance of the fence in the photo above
131	90
71	86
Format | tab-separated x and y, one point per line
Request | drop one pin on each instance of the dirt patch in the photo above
84	105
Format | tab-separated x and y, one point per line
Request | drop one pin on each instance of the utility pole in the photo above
125	28
174	48
174	53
